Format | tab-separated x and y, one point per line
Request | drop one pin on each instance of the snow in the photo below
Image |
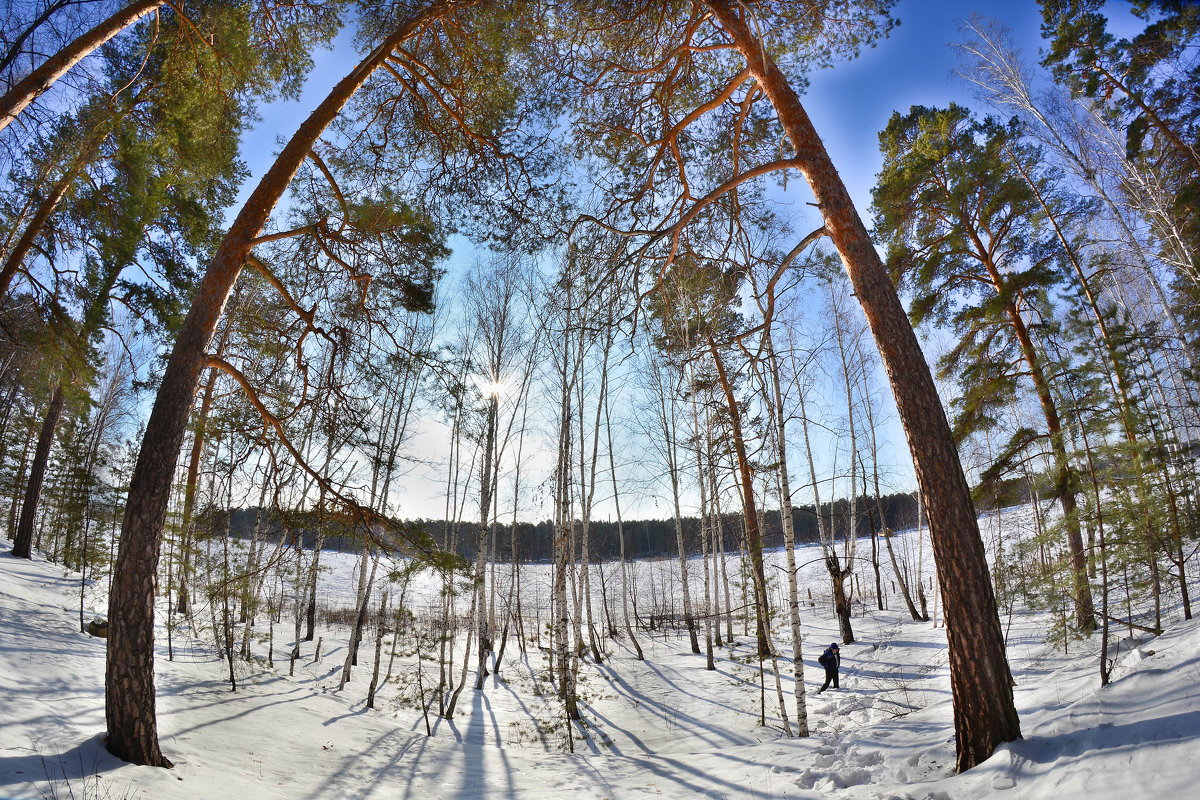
664	727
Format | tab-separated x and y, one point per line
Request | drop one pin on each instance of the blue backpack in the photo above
826	658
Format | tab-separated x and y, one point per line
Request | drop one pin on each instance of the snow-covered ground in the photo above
665	727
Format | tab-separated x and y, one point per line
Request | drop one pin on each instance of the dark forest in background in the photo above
651	537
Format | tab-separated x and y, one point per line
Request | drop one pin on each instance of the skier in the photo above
831	659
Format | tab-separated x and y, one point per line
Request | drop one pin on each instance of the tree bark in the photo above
984	711
1064	489
23	542
41	79
562	554
612	467
37	223
485	507
129	676
749	507
789	532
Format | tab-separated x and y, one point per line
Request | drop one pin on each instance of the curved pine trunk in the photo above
1064	489
984	711
41	79
749	507
37	223
129	674
23	541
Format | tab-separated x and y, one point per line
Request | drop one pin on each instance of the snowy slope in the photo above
661	728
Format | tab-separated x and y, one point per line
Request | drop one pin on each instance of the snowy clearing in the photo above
664	727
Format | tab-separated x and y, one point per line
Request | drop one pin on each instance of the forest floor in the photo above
663	727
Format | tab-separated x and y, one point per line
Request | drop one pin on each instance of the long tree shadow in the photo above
72	767
673	716
252	702
1046	749
475	777
609	723
348	778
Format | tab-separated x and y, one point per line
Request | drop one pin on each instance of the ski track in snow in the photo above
665	727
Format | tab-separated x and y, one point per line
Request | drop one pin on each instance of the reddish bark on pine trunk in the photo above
16	257
23	541
984	712
749	507
1085	613
129	677
41	79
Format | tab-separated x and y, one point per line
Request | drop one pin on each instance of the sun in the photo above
492	388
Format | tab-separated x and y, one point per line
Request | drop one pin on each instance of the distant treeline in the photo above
643	538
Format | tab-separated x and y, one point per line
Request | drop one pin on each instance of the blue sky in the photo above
849	104
852	102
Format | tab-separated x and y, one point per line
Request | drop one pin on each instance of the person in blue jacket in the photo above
831	659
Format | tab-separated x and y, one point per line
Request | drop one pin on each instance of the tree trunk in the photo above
13	508
883	529
310	609
789	533
90	323
874	541
841	600
129	676
1064	489
41	79
365	584
919	616
841	606
612	467
514	580
23	542
714	532
749	507
705	522
562	555
588	497
715	492
485	508
298	610
379	634
37	223
192	481
227	578
984	712
689	615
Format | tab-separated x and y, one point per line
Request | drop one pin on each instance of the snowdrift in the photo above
665	727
